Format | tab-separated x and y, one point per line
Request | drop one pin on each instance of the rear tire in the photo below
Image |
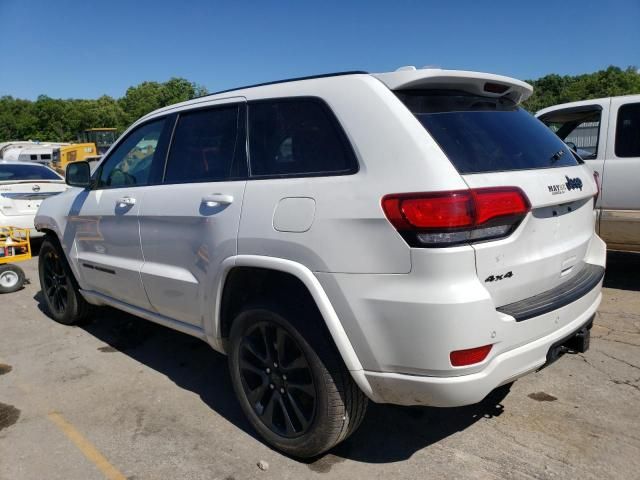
291	382
12	278
60	291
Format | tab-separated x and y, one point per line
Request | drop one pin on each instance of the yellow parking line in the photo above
86	447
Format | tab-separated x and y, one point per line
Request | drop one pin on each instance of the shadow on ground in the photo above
623	271
388	433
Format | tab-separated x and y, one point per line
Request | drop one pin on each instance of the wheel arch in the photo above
51	232
245	264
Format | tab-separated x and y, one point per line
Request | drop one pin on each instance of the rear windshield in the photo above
15	173
481	134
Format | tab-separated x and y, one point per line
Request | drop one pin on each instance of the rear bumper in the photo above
589	276
468	389
404	327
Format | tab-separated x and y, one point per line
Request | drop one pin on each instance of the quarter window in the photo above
130	163
628	131
206	147
297	137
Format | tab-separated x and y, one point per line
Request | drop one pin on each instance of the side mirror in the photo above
78	174
572	146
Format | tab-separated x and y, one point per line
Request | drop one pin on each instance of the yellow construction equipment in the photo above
14	247
95	142
102	137
72	153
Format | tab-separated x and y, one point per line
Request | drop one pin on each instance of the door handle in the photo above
217	199
126	201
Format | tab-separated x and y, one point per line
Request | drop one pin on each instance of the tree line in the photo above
50	119
553	89
61	120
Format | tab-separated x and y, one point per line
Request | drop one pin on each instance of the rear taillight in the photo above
443	219
461	358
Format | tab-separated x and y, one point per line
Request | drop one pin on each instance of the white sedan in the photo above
23	186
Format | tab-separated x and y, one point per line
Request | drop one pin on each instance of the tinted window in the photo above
481	134
12	172
628	131
206	147
130	163
297	137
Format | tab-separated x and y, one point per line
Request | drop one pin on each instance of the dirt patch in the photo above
8	415
4	368
542	397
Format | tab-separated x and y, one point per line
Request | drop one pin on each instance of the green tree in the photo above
149	96
553	89
49	119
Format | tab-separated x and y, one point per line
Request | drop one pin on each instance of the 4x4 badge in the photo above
495	278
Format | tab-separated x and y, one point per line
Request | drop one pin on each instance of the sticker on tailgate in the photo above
571	184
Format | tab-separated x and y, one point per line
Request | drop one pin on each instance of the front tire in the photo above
300	398
61	294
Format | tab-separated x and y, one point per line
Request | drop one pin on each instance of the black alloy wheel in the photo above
56	284
290	380
62	297
277	380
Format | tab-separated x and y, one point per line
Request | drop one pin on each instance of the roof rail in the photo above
311	77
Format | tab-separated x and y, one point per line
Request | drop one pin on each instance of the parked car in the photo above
411	237
23	186
606	132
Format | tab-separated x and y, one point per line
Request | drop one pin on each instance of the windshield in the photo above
482	134
15	173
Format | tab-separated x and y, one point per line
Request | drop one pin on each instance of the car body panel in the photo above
184	242
107	241
549	245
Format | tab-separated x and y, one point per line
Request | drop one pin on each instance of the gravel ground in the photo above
124	398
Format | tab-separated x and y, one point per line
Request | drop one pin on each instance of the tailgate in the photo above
550	244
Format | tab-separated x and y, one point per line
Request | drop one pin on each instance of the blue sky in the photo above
87	48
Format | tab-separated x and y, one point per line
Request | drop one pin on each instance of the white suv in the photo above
411	237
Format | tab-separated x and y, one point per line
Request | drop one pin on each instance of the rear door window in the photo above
208	146
481	134
297	137
628	131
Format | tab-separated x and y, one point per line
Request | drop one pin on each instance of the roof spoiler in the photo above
485	84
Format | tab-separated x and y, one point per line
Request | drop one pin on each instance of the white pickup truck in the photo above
606	134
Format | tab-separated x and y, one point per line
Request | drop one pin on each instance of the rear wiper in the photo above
556	156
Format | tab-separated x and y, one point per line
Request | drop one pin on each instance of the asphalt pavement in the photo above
122	398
